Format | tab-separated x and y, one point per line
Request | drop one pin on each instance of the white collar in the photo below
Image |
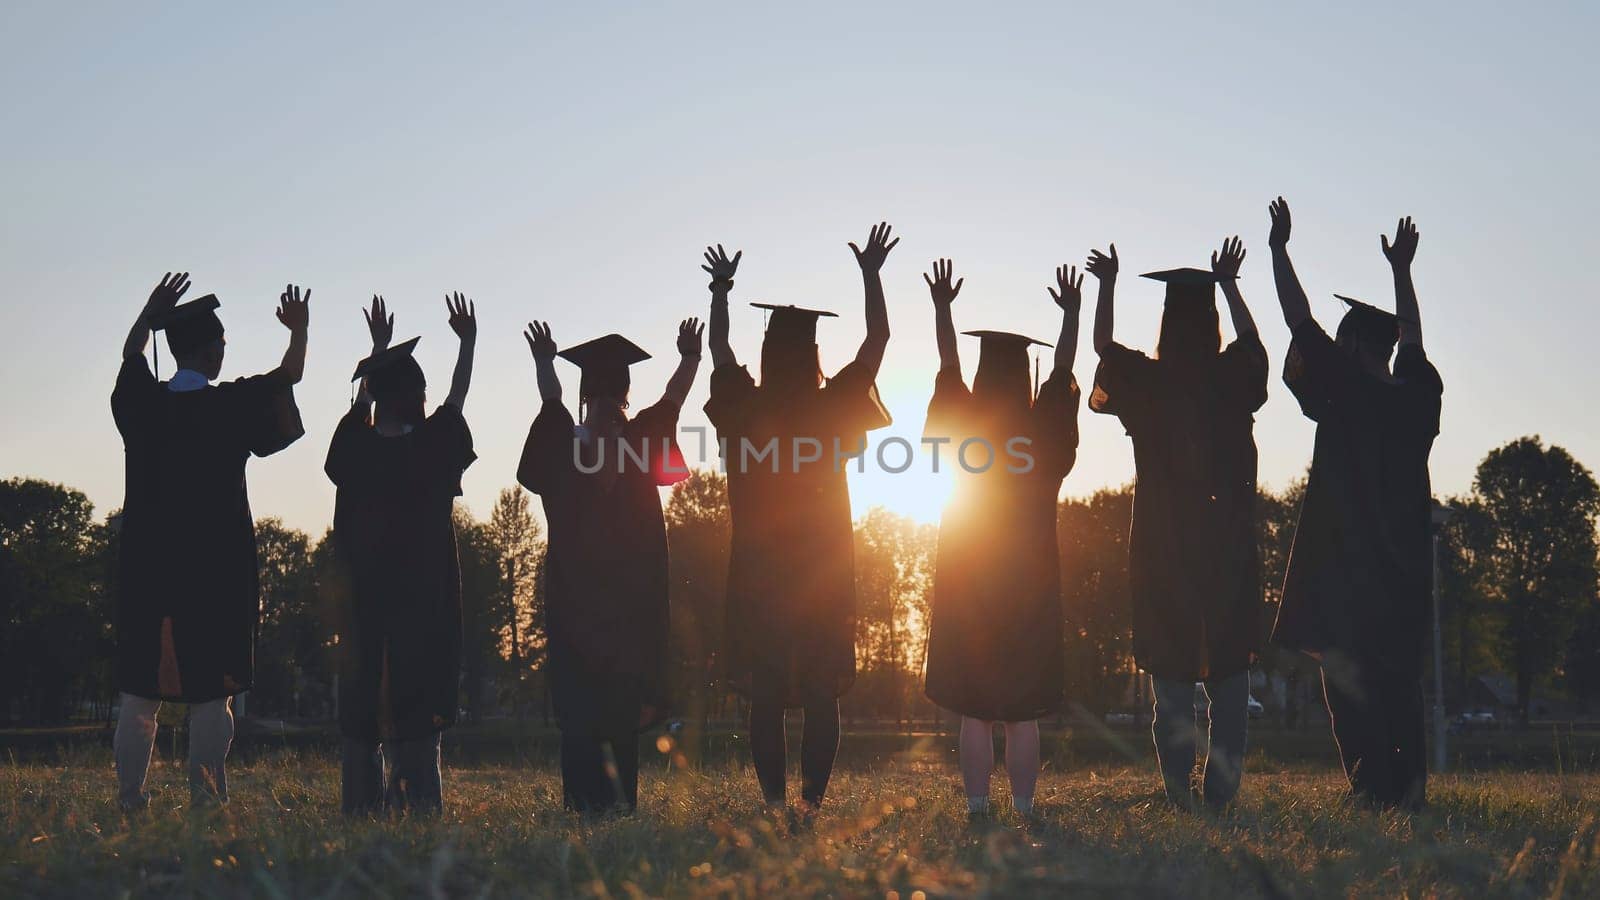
185	380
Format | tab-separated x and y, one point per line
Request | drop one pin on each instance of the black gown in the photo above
1360	572
1194	565
188	601
606	602
791	603
400	640
995	636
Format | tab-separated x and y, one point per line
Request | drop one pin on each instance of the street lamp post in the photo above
1441	516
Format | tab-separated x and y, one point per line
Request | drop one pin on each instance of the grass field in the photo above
894	830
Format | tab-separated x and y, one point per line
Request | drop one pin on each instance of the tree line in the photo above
1519	570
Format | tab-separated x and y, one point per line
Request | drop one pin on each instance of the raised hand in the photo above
689	333
1101	266
719	266
166	294
1225	264
944	293
463	316
1279	211
878	247
380	322
294	309
1068	292
540	343
1404	248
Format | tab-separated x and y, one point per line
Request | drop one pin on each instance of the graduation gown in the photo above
1194	565
791	601
188	599
400	628
1360	572
606	601
995	635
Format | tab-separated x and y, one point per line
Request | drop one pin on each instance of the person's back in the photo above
187	599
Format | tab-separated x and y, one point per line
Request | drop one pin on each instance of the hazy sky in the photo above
570	164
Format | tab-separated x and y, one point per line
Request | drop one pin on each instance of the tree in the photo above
699	531
294	671
55	615
518	545
1540	550
1096	600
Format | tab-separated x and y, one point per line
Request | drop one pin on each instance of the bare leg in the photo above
132	745
977	762
1022	762
210	736
819	746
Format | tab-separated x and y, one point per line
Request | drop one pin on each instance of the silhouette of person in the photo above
1193	563
606	590
1357	590
791	600
187	599
398	472
995	642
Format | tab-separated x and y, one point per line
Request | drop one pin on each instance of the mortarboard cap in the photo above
1006	339
612	350
190	326
1369	319
1188	285
793	323
385	358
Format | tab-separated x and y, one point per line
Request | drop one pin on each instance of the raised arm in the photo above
1291	296
689	334
1104	269
294	311
464	322
721	269
871	260
1400	254
1225	264
1068	294
163	297
543	347
380	325
944	326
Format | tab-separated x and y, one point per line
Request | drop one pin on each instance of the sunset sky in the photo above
570	164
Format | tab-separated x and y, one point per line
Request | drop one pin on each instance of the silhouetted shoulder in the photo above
656	428
1054	426
547	453
1123	382
853	396
1423	387
447	441
261	411
1242	370
733	396
949	407
133	393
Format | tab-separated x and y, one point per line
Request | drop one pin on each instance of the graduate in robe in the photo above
791	601
995	633
606	591
397	470
1357	591
1193	562
187	600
